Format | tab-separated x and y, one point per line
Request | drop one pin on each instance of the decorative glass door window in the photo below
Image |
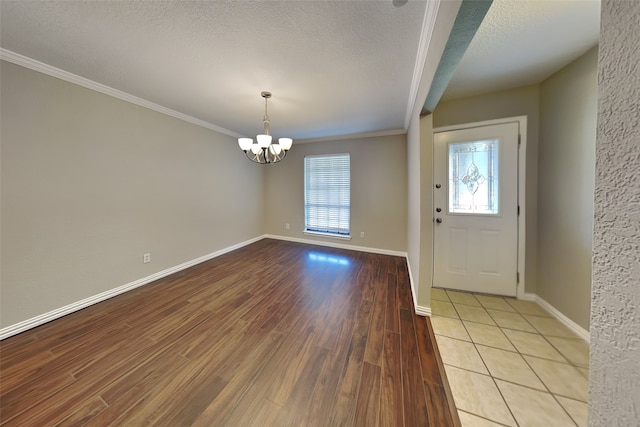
474	177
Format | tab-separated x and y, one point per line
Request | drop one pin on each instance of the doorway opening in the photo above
479	207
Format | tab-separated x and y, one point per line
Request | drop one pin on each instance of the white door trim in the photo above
522	174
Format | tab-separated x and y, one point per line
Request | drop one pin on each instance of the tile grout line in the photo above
555	397
566	360
487	368
492	377
549	391
484	418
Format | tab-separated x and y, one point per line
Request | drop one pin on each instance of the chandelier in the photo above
264	150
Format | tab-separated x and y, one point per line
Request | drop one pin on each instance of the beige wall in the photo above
426	209
90	183
414	214
568	114
378	192
420	231
522	101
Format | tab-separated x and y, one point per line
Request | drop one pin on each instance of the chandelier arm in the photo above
265	157
249	156
253	157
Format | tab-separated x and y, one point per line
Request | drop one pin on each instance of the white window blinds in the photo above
327	194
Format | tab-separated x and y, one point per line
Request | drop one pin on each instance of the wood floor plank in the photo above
278	379
427	352
391	394
298	358
455	419
242	379
293	412
192	403
373	351
323	399
352	371
18	378
29	394
265	415
415	408
56	377
84	413
437	405
125	397
64	400
405	300
368	401
143	376
392	322
273	334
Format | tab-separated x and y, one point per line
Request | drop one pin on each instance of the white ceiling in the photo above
522	42
334	67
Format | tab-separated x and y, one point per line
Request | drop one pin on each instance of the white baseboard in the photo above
577	329
413	289
335	244
528	297
423	311
79	305
419	309
573	326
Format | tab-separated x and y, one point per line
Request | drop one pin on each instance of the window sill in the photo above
329	235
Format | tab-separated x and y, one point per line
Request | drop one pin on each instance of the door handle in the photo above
438	210
439	220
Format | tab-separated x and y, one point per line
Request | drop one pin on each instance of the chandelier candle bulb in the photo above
275	149
264	150
264	140
285	143
245	143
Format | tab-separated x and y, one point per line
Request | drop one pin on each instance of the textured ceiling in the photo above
334	67
523	42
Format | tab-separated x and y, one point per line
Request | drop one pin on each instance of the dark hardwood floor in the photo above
273	334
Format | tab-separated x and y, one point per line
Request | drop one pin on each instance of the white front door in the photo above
476	209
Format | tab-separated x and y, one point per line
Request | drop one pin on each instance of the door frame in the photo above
522	174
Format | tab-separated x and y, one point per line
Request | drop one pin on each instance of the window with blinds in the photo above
327	194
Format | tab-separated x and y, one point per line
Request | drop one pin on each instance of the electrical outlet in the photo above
286	226
362	234
146	258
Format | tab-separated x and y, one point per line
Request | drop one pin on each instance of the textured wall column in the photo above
615	319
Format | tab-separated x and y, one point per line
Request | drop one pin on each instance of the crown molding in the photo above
390	132
24	61
428	25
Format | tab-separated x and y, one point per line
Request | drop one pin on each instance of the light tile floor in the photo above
510	362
